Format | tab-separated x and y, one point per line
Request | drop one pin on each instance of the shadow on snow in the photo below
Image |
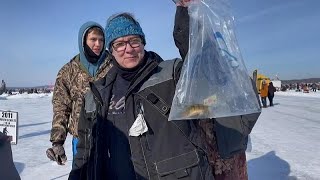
34	124
269	166
19	166
34	134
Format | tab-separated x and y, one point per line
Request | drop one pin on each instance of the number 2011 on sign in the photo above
7	115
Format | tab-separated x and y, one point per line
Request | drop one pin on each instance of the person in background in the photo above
72	82
298	88
314	87
305	88
271	90
264	93
124	132
3	88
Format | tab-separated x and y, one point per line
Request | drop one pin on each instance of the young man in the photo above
72	82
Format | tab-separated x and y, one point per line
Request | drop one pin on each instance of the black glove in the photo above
57	153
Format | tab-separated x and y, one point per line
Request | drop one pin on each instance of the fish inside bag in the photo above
214	81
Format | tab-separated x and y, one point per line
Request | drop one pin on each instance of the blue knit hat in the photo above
121	26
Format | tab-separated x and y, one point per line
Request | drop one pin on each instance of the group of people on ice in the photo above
308	87
267	91
301	87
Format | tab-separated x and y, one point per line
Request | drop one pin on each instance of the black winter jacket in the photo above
168	150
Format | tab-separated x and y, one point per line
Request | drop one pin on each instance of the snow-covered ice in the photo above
284	143
285	140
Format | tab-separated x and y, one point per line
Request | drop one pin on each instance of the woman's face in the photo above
128	51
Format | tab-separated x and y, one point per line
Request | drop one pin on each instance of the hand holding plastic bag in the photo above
214	81
184	3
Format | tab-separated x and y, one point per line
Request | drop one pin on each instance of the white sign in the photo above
9	124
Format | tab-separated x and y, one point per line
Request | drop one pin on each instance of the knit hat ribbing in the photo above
121	26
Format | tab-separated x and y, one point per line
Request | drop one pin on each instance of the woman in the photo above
131	136
264	93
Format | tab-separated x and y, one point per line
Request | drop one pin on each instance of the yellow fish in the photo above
196	110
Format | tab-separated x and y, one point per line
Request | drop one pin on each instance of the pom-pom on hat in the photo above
122	25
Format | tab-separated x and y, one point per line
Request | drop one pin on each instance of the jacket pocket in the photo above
178	166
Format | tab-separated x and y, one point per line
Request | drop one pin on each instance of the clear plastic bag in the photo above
214	81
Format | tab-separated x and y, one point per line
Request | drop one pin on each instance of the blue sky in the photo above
38	37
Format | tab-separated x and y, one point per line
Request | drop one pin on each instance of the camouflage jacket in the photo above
71	84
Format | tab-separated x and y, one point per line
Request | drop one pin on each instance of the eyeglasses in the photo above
121	45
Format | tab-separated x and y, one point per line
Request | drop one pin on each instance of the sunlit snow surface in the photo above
284	144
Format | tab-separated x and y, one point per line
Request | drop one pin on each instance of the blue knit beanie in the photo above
121	26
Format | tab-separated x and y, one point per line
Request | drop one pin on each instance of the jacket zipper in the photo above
141	111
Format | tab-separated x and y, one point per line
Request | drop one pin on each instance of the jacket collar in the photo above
151	64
